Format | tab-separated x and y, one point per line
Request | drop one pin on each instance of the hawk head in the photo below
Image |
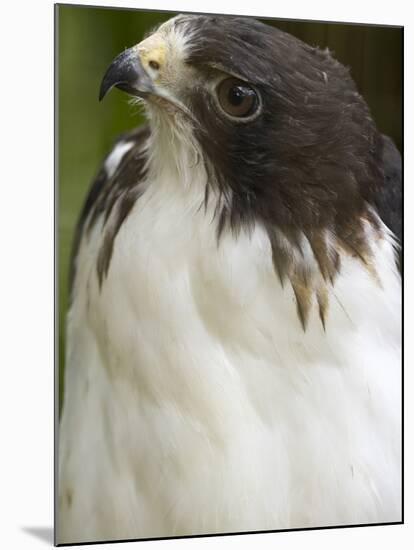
285	138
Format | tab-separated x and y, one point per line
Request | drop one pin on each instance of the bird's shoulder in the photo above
114	190
389	200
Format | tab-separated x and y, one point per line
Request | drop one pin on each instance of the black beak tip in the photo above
108	82
103	90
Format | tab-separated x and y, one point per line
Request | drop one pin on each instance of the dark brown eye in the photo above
237	98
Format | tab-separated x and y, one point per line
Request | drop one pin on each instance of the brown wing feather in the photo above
120	191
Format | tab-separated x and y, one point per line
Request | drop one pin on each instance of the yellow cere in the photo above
157	55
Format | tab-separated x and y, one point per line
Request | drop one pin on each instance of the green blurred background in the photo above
87	39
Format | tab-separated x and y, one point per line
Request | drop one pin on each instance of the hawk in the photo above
234	333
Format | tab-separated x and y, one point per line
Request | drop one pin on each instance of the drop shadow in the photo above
43	533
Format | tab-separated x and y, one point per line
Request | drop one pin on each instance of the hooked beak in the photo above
127	73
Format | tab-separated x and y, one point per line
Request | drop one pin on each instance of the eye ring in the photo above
238	99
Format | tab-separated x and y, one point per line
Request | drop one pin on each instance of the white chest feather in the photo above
196	403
